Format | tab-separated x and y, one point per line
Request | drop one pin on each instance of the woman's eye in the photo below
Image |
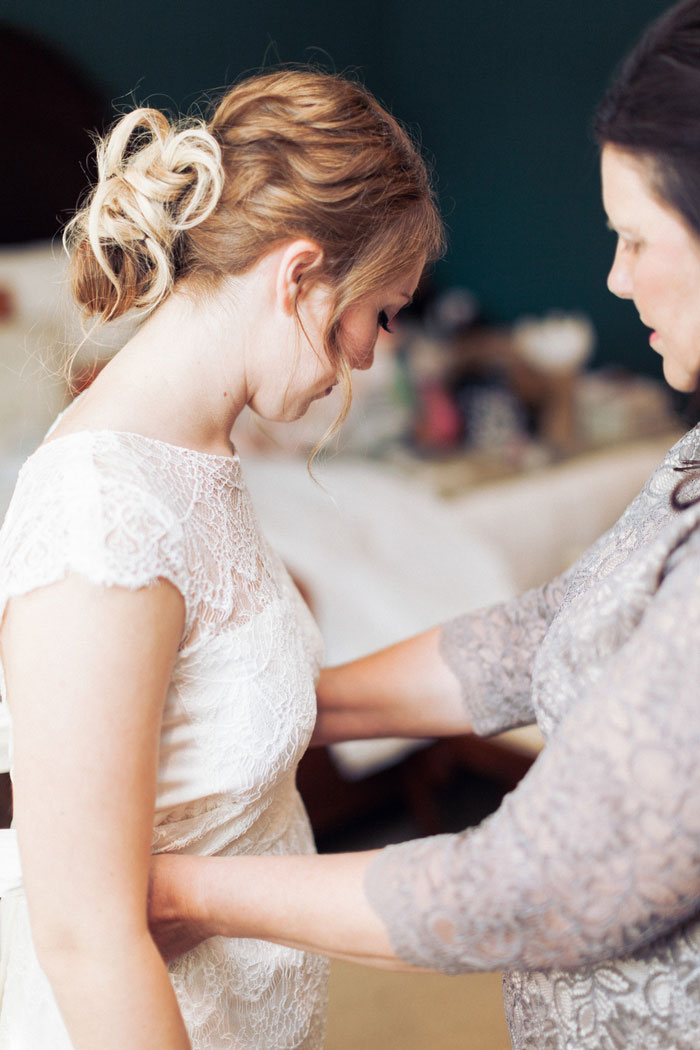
384	321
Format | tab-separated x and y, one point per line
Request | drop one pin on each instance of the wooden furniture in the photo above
415	782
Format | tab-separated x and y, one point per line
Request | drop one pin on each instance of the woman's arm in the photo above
404	690
315	903
595	854
87	669
471	674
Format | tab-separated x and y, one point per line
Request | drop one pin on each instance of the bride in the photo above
158	664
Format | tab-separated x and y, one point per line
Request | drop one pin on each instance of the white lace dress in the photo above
585	885
121	509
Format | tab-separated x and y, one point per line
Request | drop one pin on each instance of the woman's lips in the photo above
653	335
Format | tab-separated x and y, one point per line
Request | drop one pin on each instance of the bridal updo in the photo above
292	153
155	182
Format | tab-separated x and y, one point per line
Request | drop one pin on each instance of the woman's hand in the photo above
315	904
175	916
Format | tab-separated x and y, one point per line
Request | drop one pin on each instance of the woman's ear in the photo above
296	261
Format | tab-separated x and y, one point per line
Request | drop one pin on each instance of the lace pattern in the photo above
585	885
125	510
492	652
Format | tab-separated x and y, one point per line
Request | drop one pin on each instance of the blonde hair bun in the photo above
156	180
286	153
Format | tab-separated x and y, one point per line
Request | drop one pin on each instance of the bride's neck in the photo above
180	378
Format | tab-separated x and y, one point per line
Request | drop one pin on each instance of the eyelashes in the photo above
383	320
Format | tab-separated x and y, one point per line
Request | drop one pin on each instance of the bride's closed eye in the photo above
383	321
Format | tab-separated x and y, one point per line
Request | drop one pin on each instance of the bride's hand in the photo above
174	917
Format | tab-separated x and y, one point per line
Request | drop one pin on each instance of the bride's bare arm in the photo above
87	669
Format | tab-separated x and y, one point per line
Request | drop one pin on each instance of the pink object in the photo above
439	423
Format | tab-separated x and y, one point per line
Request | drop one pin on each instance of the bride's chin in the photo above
320	395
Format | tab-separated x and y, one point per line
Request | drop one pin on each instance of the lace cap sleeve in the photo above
84	505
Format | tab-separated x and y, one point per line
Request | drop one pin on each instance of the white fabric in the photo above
124	510
357	541
10	868
542	522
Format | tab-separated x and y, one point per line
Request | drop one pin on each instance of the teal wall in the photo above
501	90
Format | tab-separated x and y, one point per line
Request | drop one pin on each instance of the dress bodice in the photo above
125	510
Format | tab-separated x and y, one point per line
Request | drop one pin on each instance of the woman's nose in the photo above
620	276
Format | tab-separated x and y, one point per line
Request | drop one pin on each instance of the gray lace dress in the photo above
584	887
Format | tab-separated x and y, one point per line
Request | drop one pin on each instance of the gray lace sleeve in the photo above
492	651
597	851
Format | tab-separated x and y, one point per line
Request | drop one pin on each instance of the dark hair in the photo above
652	111
652	108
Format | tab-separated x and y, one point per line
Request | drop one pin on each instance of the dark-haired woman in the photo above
158	663
585	885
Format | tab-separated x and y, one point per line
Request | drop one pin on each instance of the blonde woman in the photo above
158	663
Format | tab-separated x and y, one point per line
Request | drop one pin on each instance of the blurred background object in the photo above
49	107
